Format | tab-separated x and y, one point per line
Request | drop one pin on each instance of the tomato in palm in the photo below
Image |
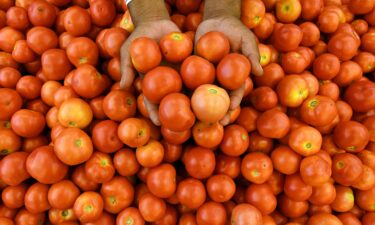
252	13
13	168
190	186
130	215
213	46
176	47
161	180
151	207
176	107
211	213
41	13
88	207
145	54
64	188
151	154
119	105
99	167
49	173
77	21
196	71
82	50
73	146
210	103
74	112
118	194
261	196
27	123
40	39
36	198
232	71
256	167
208	135
199	162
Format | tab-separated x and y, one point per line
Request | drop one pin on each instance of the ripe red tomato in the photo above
210	103
82	50
9	36
145	54
360	94
232	71
213	46
36	198
27	123
273	124
64	188
246	214
161	180
77	21
49	173
196	71
256	167
13	196
287	37
13	168
199	162
288	11
88	207
55	64
292	90
285	160
25	217
305	140
160	82
351	136
10	142
130	215
151	207
102	13
10	102
113	40
119	105
99	167
41	13
9	77
252	12
261	196
212	213
118	194
190	186
74	112
235	140
315	170
176	47
40	39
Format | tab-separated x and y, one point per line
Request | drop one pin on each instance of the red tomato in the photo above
102	12
40	39
118	194
10	102
199	162
213	46
99	167
246	214
252	12
88	207
119	105
145	54
208	135
176	47
77	21
196	71
288	11
27	123
232	71
82	50
42	13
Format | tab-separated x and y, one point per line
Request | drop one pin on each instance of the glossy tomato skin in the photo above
208	135
196	71
145	62
292	90
213	46
261	196
151	207
235	140
74	113
102	13
118	194
99	167
9	77
10	142
119	105
35	36
346	168
36	198
25	217
360	95
125	162
285	160
77	21
150	154
64	188
351	136
315	170
80	178
88	207
133	132
13	196
246	214
190	186
82	50
176	107
199	162
287	37
211	213
232	71
11	102
130	215
13	168
273	124
27	123
55	64
161	180
175	47
256	167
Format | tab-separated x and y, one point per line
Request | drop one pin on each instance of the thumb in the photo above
251	51
152	110
236	97
127	71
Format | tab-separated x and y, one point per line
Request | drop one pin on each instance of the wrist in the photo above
222	8
143	11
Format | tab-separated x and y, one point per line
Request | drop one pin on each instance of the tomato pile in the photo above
77	149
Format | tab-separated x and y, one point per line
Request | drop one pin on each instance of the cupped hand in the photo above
241	40
152	29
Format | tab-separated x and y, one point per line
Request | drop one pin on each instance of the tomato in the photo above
315	170
213	46
210	103
55	64
82	50
64	188
10	103
79	120
80	178
151	207
27	123
296	189
150	154
105	138
256	167
6	60
130	215
273	124
232	71
160	82
13	196
323	195
161	180
368	218
208	135
292	90
272	75
311	34
187	6
212	213
343	53
265	28
324	219
119	105
113	40
118	194
61	216
125	162
10	142
29	87
366	61
288	11
199	162
235	140
291	208
77	21
102	13
186	188
326	66
261	196
6	221
40	39
287	37
359	95
36	198
13	168
350	72
246	214
252	12
196	71
305	140
192	21
176	47
293	62
88	207
25	217
144	61
41	13
127	23
9	77
346	168
351	136
175	137
285	160
99	167
9	36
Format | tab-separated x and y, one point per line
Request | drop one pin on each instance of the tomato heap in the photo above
77	149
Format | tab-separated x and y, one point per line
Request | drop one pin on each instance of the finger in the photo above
226	120
236	97
127	71
251	51
152	110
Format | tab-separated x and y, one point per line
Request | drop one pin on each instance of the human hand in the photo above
152	29
241	40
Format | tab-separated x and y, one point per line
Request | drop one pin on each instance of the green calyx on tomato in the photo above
340	165
88	208
313	103
255	173
129	221
4	152
112	200
82	60
177	37
351	148
78	143
72	124
213	91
